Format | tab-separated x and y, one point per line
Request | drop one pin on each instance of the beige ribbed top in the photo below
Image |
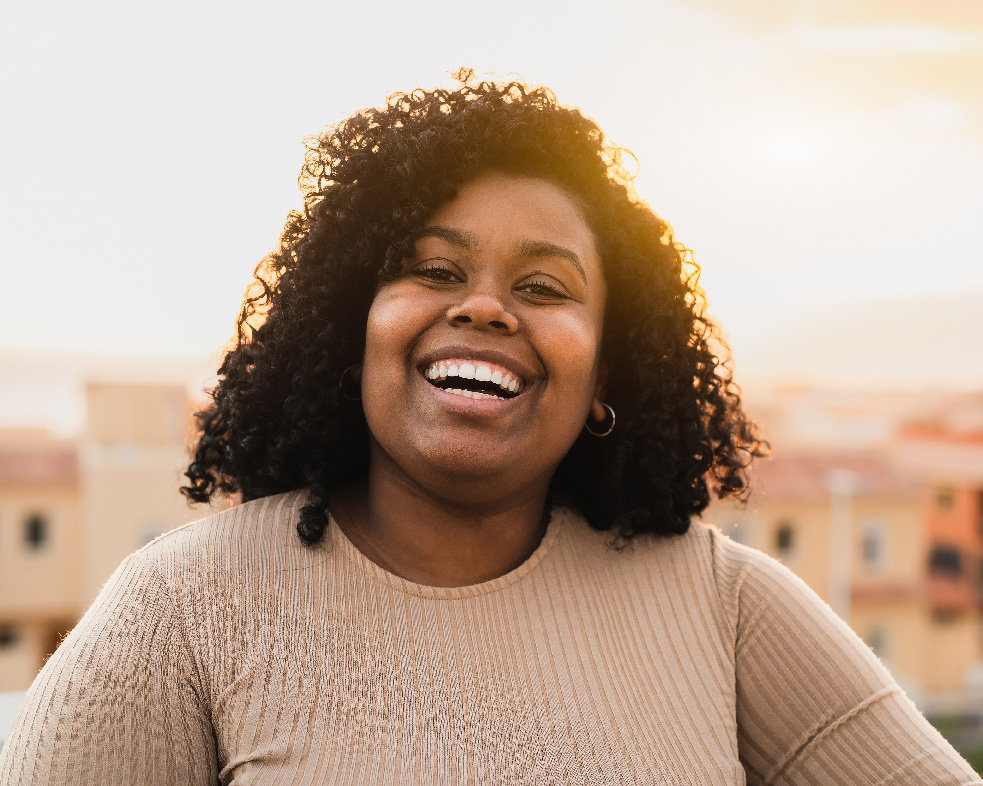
226	651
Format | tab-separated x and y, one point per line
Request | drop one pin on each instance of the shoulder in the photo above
702	550
701	560
751	584
225	577
229	567
261	531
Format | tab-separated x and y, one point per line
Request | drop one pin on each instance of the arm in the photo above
814	705
120	700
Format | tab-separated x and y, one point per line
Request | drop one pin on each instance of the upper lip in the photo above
460	352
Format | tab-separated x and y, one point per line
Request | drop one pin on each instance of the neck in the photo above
440	541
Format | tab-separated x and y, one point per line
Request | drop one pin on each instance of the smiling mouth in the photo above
474	379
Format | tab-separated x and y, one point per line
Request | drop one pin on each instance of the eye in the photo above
437	270
543	288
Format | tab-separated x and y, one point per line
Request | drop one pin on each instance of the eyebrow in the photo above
529	248
455	237
543	248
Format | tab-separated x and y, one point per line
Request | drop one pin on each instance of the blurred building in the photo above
887	527
40	538
71	510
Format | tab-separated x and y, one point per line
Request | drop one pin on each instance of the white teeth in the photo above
474	394
441	370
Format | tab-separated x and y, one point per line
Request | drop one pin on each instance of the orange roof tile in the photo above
809	475
34	465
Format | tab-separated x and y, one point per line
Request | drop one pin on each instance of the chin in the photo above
467	460
462	469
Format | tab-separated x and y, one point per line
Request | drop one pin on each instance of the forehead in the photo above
495	208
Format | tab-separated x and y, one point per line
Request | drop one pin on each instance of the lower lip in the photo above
470	406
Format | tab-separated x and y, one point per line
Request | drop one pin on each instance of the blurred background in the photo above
823	159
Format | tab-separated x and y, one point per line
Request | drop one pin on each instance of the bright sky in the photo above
811	153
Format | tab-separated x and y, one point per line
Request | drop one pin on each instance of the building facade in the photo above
72	510
897	551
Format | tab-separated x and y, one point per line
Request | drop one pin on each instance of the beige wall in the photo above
133	456
889	600
130	464
904	539
952	647
38	580
118	414
20	662
42	581
897	519
896	633
928	654
130	495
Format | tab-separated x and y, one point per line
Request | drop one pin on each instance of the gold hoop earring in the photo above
606	431
346	385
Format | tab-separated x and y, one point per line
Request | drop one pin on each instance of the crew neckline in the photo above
383	576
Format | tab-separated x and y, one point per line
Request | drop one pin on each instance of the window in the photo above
8	636
945	560
945	497
784	540
35	531
872	544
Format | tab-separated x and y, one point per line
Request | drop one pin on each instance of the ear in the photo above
597	411
350	382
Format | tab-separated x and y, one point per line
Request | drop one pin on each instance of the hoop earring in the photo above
609	428
346	384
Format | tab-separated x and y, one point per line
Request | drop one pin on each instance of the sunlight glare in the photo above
790	148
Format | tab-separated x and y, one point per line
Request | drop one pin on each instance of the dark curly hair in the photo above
278	420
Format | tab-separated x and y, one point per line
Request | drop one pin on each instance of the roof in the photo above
39	464
813	474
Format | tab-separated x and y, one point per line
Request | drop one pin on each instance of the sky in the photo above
814	155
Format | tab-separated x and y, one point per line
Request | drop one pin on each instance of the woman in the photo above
473	410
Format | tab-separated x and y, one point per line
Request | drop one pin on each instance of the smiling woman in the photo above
454	563
395	207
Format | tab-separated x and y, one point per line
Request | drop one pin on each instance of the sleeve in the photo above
119	701
814	705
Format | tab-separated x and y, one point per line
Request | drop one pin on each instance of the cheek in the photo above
573	347
385	346
384	315
395	320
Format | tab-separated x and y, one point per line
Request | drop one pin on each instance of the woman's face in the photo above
482	358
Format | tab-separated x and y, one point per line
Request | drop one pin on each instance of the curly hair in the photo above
277	419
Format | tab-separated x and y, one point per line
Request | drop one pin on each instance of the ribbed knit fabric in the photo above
227	651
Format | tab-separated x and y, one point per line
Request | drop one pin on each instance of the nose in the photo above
484	312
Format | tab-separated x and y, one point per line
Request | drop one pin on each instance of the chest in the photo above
553	691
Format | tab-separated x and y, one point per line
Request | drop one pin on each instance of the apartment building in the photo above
40	538
896	550
71	510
